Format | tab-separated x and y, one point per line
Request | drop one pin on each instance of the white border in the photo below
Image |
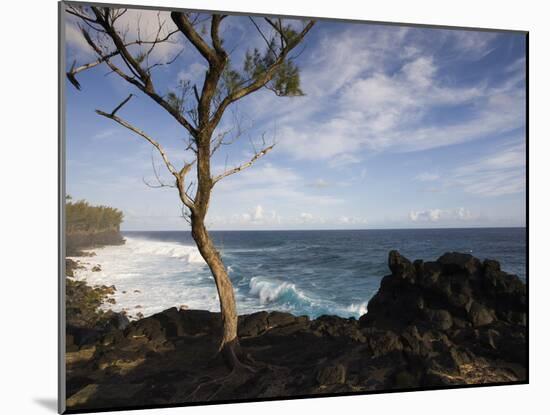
29	173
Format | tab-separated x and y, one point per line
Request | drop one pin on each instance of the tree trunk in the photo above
229	346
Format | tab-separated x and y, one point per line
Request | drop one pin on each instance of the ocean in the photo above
302	272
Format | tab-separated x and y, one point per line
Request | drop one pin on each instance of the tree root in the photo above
243	367
238	375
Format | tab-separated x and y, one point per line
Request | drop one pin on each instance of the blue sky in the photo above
400	127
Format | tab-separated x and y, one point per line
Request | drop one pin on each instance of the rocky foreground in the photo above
454	321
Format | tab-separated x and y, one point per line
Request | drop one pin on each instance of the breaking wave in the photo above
269	291
187	253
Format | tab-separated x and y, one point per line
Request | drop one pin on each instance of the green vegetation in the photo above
83	217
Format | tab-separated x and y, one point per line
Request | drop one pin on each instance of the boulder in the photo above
429	273
401	266
455	262
253	324
480	315
276	318
439	319
382	342
331	375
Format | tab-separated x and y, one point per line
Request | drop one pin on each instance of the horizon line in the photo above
328	229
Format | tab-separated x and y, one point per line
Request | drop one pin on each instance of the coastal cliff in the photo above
454	321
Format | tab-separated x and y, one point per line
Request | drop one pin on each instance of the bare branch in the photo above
267	42
157	177
131	62
168	62
142	134
107	60
180	176
148	90
246	165
279	29
219	141
72	10
141	78
122	104
71	75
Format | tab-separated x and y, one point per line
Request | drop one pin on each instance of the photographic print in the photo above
260	207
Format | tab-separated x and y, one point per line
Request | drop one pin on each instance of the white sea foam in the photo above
152	276
357	310
187	253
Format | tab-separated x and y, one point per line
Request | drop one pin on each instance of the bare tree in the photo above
198	112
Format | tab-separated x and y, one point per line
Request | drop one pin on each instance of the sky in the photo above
400	127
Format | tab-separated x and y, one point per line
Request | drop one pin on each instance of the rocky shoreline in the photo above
454	321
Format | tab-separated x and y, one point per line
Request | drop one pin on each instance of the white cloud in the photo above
257	216
501	172
441	215
258	213
349	220
306	217
470	44
384	101
327	73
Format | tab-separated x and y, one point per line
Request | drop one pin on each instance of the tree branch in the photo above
119	106
157	177
246	165
142	134
186	27
267	42
215	34
180	176
148	91
180	182
261	80
131	62
71	75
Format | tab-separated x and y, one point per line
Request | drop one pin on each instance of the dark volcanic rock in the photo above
467	314
449	322
479	315
71	266
455	262
332	375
